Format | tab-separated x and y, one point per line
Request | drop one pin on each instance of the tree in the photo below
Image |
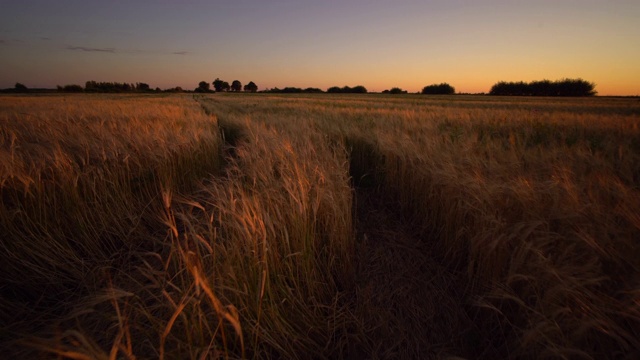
575	87
359	89
291	90
564	87
236	85
21	87
203	87
70	88
311	90
142	87
225	86
439	89
251	87
510	89
397	90
218	84
94	86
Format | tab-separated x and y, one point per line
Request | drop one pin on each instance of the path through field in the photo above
408	304
411	303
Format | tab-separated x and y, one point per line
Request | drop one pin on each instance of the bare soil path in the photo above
411	304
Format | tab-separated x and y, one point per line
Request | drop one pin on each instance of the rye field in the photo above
319	226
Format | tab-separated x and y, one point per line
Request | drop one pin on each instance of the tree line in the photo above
564	87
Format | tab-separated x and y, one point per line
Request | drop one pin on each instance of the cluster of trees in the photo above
359	89
70	88
394	91
95	86
439	89
565	87
311	90
221	85
294	90
174	89
22	88
203	87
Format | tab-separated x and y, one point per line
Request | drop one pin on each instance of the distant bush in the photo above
203	87
287	90
94	86
564	87
73	88
175	89
439	89
251	87
236	85
395	91
142	87
294	90
311	90
218	84
359	89
19	87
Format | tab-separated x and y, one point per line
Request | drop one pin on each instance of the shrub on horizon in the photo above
439	89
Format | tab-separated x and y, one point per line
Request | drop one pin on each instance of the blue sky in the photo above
378	44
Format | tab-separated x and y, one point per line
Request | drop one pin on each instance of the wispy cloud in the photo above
3	41
45	38
125	51
90	49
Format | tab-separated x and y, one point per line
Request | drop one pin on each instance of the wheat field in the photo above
319	226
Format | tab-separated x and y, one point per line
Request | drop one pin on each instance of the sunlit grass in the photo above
223	226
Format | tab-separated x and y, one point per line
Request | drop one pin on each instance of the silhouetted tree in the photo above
347	90
396	91
73	88
291	90
142	87
359	89
19	87
218	85
542	88
236	85
225	86
251	87
565	87
311	90
294	90
575	87
439	89
93	86
203	87
175	89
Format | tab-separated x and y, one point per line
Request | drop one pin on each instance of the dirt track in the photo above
411	304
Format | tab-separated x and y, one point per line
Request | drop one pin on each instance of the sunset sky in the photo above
278	43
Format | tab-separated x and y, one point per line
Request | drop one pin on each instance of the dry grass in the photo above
81	180
482	227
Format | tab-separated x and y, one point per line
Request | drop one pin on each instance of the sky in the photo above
278	43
